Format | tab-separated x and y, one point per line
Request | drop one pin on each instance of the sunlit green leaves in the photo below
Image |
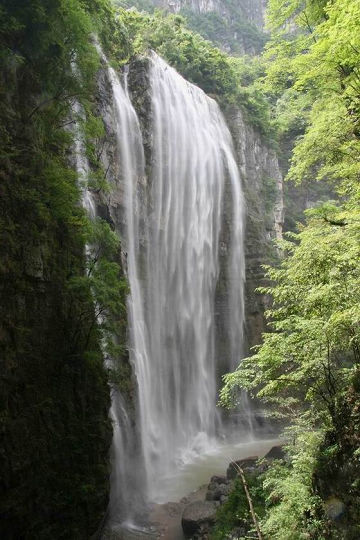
283	13
315	314
293	509
313	76
231	81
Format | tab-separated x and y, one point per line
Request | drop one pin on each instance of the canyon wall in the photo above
235	26
263	188
252	10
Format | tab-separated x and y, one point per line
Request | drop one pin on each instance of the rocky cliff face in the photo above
54	398
252	10
263	188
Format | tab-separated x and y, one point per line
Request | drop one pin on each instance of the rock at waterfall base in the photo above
276	452
198	518
248	465
218	489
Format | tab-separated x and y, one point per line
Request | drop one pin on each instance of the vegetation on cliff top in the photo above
230	30
230	80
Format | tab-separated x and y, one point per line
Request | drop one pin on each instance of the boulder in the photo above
219	487
210	495
248	465
220	490
276	452
334	508
219	480
198	517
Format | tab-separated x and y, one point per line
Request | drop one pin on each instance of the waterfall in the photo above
173	281
171	237
126	472
127	477
192	158
81	161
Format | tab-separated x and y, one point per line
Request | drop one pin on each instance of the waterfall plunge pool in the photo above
188	484
197	468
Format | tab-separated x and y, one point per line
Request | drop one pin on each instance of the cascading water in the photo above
123	436
192	158
81	162
173	277
172	232
127	477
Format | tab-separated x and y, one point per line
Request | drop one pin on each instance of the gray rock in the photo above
218	480
223	499
210	495
198	517
248	465
334	508
222	489
218	487
264	220
276	452
252	11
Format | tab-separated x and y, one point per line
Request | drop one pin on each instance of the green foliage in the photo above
303	372
141	5
196	59
337	470
96	140
231	32
249	72
283	13
230	80
306	370
235	511
313	78
269	194
54	393
293	511
308	356
105	278
234	32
